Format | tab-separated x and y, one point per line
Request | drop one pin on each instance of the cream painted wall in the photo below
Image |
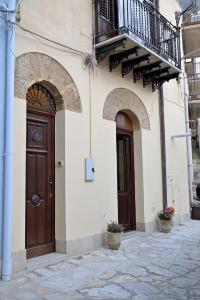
177	173
178	194
19	173
68	22
82	209
60	175
168	8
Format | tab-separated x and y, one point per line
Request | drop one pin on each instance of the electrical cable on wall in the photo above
70	49
90	112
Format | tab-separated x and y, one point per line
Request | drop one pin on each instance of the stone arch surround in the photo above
121	99
35	67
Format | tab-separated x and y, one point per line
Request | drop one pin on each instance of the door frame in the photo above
52	116
129	133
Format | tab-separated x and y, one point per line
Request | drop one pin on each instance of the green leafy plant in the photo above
114	227
166	214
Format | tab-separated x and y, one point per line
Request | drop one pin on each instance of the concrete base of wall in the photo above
89	243
19	261
82	245
147	227
181	218
155	225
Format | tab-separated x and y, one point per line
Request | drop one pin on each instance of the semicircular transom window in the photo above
123	121
39	98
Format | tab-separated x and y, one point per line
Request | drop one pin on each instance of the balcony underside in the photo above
132	56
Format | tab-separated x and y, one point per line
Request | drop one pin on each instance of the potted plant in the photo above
165	216
114	235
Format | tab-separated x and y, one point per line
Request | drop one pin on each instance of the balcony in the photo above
193	72
192	68
194	87
191	18
191	33
138	38
194	95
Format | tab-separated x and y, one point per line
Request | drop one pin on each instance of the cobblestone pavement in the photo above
147	267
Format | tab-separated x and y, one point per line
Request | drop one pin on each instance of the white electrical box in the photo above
89	170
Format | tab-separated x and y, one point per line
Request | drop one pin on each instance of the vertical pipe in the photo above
8	148
124	22
163	141
2	105
188	139
94	18
163	146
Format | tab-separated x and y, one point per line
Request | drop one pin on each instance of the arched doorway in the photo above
40	171
125	171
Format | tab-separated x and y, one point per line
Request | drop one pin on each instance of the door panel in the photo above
40	211
125	177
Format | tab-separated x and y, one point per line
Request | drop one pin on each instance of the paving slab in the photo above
146	267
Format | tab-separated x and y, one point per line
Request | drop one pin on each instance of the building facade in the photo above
87	136
191	43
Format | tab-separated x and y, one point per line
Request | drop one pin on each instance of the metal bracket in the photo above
139	72
149	76
102	52
115	59
128	65
180	135
158	82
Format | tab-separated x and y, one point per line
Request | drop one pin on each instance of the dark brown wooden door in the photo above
125	172
40	182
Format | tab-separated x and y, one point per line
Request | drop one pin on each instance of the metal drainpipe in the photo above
162	139
163	146
188	139
2	115
8	145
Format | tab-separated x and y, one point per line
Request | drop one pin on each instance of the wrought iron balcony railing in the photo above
142	23
194	86
192	68
191	18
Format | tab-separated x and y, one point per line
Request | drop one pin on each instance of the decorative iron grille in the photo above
142	22
39	98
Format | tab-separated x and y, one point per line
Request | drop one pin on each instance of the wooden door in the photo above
40	181
125	178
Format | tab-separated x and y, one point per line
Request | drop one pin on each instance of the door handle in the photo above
50	182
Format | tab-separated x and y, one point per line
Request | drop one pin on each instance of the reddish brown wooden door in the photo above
125	172
40	211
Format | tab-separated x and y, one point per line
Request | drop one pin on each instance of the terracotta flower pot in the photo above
114	240
166	225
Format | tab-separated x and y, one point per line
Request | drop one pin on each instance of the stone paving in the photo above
147	267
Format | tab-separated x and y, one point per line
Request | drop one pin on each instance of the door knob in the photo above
50	182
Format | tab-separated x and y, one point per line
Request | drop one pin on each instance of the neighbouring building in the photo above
90	144
191	43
